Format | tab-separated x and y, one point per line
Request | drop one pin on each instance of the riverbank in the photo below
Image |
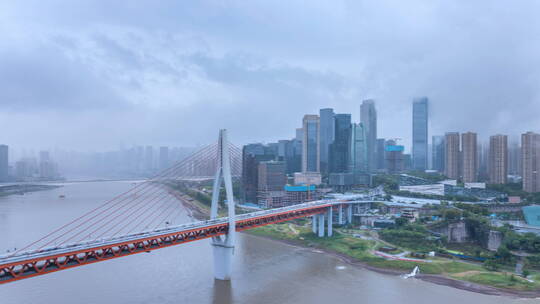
436	279
359	252
21	189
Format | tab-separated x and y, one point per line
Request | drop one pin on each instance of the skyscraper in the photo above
138	166
482	164
451	155
470	157
44	156
368	118
149	158
381	143
358	164
420	134
438	153
293	156
327	136
340	149
394	157
252	155
4	158
282	149
299	134
311	144
498	159
530	161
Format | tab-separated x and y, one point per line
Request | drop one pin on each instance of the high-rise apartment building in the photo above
498	159
271	176
163	158
271	184
420	134
252	155
4	159
482	161
368	118
530	161
311	144
44	156
340	149
149	159
514	158
437	151
327	136
469	157
451	155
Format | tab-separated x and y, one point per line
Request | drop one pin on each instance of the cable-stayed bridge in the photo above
138	220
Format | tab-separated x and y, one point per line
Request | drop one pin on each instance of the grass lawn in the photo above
501	280
467	249
361	250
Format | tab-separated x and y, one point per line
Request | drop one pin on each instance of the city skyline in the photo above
269	152
471	162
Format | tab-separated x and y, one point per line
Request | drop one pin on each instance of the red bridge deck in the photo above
44	264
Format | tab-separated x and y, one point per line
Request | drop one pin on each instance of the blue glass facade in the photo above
359	151
437	143
311	144
340	149
327	135
368	118
420	134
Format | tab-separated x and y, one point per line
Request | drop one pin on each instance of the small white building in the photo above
433	189
307	178
475	185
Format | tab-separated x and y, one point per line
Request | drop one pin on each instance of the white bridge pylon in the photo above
223	246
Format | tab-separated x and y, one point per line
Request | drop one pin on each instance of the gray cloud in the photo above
167	72
43	79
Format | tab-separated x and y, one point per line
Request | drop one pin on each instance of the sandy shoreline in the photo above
199	214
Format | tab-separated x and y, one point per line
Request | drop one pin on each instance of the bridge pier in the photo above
330	221
349	214
321	225
223	255
314	223
340	215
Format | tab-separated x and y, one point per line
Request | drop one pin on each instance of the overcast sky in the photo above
100	74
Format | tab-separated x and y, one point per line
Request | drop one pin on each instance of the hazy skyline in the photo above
96	74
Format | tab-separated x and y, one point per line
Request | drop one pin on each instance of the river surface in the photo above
264	271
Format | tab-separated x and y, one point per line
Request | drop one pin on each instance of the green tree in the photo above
503	253
400	222
452	214
491	265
